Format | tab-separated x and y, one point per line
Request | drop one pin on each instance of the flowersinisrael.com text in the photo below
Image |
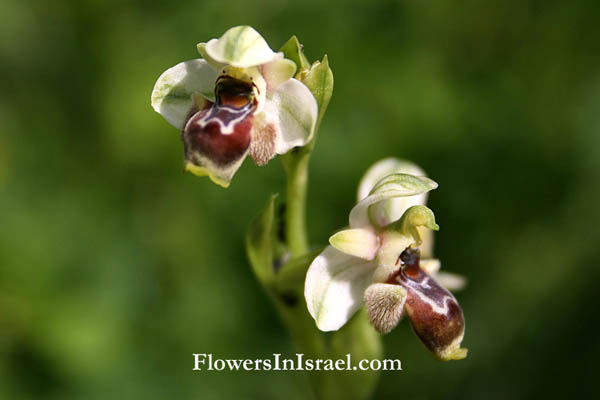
206	362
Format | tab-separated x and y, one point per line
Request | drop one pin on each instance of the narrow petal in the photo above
392	209
385	305
334	287
451	281
292	111
361	243
277	72
431	265
264	139
240	47
174	91
391	187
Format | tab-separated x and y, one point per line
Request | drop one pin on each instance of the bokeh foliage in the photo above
115	266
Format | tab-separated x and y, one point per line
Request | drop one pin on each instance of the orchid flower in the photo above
361	266
240	98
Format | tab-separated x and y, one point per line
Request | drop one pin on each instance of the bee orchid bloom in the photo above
240	98
362	265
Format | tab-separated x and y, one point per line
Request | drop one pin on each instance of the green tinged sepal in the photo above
241	47
390	187
408	185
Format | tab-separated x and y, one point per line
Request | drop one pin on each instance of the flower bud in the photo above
434	313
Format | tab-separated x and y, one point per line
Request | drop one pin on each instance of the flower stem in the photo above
296	168
357	338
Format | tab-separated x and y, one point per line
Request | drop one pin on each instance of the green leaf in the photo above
292	49
320	82
292	274
264	250
285	288
260	243
359	339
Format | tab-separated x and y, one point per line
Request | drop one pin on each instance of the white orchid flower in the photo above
239	99
361	266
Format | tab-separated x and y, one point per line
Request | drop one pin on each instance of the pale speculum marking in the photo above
234	103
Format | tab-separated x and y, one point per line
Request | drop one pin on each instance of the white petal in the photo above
391	187
293	111
240	47
391	210
174	91
334	287
361	243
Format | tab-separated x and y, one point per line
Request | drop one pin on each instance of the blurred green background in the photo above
115	266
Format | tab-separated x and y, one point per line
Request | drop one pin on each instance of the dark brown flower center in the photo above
233	93
221	131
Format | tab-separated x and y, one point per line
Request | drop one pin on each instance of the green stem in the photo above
357	338
296	169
